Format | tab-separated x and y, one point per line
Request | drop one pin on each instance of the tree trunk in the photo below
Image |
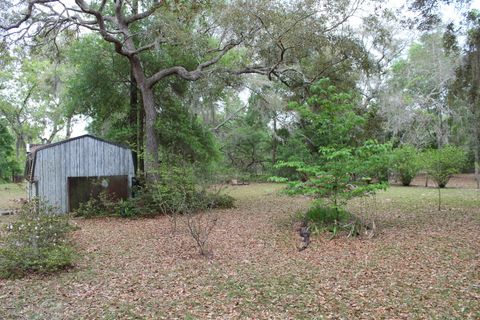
442	131
148	101
136	112
140	138
133	113
274	140
477	166
475	104
476	153
151	156
68	128
20	146
212	114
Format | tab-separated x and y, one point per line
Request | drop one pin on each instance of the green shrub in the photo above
374	161
180	189
441	164
141	203
127	208
220	201
36	242
320	218
406	163
175	189
103	205
323	216
341	174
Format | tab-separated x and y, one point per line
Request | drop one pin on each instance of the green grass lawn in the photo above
10	192
254	190
427	198
422	264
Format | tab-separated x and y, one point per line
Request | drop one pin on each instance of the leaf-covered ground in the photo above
464	180
423	264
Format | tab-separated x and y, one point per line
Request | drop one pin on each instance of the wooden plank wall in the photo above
85	157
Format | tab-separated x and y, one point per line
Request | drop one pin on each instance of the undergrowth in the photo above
37	242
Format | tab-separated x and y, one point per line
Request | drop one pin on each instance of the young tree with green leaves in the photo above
406	163
341	168
328	117
442	164
340	175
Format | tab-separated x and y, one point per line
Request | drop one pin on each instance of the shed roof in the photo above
30	163
45	146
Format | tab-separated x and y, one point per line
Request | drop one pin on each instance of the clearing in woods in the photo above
423	263
11	195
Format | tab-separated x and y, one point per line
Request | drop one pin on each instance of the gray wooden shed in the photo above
69	172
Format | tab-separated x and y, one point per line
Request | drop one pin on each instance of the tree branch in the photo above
102	27
230	117
143	15
190	75
27	15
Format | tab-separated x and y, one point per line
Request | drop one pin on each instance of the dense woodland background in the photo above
239	86
339	98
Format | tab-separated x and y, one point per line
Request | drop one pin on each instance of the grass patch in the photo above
426	198
254	190
10	192
326	216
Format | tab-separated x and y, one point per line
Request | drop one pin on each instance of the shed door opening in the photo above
82	189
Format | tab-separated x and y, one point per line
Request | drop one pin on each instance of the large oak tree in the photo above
229	37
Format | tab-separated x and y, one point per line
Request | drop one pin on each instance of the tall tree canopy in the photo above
276	39
415	100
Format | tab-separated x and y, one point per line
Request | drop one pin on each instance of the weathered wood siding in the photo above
84	157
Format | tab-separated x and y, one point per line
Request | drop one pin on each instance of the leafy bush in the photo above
175	189
179	189
441	164
103	205
406	163
36	242
323	218
220	201
374	160
342	174
141	203
326	216
339	177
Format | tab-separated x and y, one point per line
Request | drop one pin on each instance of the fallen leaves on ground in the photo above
422	264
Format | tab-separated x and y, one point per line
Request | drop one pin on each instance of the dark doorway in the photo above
81	189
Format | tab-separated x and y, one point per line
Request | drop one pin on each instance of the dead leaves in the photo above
417	267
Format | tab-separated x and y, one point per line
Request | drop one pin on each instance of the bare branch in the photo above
102	28
251	70
27	15
230	117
